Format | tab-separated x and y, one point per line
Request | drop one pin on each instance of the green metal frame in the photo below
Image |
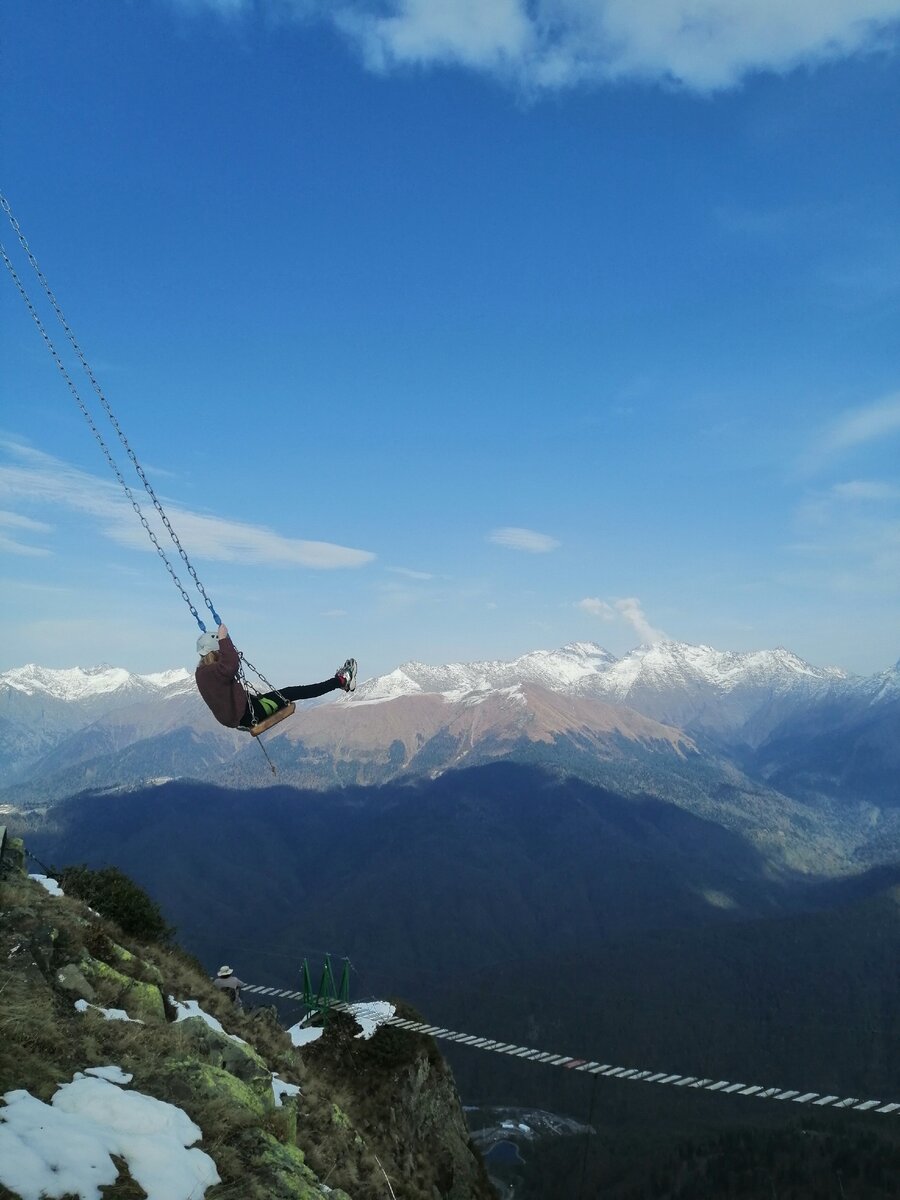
328	993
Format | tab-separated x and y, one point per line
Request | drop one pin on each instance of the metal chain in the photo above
251	690
4	203
96	432
259	675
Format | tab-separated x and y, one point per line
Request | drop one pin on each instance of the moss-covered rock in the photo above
142	1001
226	1052
279	1172
286	1166
137	966
188	1080
13	856
339	1117
71	979
284	1120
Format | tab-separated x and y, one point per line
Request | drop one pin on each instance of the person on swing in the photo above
219	685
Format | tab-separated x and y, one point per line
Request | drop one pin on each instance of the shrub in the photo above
119	899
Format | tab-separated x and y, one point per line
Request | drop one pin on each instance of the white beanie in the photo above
207	642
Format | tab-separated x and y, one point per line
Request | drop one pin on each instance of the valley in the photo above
524	858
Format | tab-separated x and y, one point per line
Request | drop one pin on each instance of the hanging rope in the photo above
4	203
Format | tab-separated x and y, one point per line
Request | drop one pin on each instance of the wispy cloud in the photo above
866	489
849	538
11	545
597	608
704	45
9	520
528	540
37	479
407	573
628	609
860	426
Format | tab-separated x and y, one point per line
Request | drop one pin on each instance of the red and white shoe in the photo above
346	675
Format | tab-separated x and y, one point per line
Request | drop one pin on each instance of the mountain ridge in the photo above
764	740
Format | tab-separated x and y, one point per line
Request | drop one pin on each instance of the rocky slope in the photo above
82	1001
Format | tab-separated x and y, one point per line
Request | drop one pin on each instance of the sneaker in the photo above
346	675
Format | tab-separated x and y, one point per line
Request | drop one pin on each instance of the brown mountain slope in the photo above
527	712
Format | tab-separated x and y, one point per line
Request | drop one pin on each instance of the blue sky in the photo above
450	331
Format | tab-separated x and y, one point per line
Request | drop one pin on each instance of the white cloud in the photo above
39	479
523	539
862	425
597	608
856	427
849	539
491	36
407	573
631	610
9	520
704	45
11	545
628	609
863	489
224	8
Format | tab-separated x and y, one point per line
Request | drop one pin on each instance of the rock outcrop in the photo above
343	1117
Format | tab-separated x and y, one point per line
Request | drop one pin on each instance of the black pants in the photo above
301	691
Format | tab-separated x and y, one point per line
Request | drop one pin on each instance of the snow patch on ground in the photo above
191	1008
281	1088
369	1014
66	1147
51	885
109	1014
302	1035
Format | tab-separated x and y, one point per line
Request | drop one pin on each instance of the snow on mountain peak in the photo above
588	669
85	683
680	661
163	679
388	687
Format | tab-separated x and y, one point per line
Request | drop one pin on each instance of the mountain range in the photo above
751	739
680	859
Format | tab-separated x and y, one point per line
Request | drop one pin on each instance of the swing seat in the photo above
262	726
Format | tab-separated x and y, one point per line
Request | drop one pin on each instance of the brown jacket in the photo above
218	685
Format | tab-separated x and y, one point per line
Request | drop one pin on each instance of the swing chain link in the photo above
4	203
96	432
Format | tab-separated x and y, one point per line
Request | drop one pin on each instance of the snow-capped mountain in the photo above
717	692
79	684
557	670
695	688
41	707
768	714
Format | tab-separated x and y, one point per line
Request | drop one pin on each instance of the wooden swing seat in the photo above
262	726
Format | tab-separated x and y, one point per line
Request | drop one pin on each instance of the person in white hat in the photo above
227	981
219	685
